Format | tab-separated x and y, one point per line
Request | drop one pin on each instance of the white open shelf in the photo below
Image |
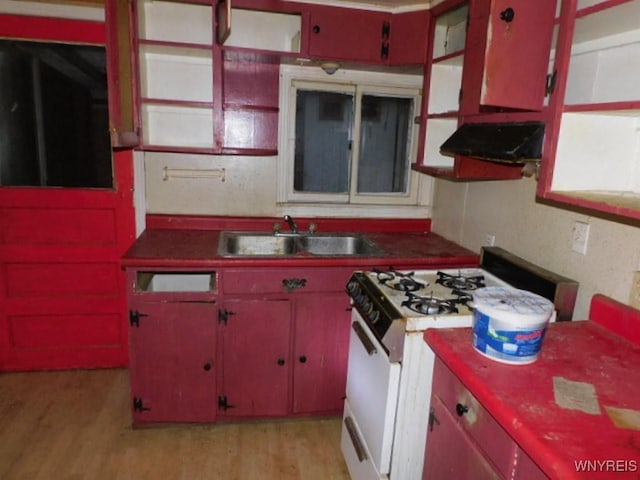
445	83
176	73
598	154
179	126
278	32
450	32
438	130
175	22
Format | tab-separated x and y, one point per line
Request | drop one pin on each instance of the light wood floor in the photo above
75	425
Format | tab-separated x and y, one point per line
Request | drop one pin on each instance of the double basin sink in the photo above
262	244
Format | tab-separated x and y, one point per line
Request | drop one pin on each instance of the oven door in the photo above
372	397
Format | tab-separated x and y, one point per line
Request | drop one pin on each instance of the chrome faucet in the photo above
291	222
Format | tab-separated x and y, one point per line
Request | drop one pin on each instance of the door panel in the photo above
173	370
321	352
255	358
62	291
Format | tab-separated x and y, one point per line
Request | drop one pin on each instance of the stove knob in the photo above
352	287
374	316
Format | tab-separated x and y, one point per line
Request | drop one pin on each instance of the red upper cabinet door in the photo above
507	54
347	34
408	38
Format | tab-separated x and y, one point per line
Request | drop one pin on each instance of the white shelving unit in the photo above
598	151
445	82
176	74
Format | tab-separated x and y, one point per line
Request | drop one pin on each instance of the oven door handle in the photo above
364	339
361	453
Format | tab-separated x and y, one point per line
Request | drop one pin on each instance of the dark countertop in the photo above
193	248
522	398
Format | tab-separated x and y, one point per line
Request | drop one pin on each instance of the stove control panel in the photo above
376	310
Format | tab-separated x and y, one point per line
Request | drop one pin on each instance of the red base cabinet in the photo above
173	366
447	441
465	442
254	354
283	342
320	353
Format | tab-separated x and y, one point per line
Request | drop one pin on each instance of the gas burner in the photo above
430	305
404	282
460	282
462	297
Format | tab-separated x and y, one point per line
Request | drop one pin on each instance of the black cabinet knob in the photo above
303	359
281	361
207	367
316	29
507	15
461	409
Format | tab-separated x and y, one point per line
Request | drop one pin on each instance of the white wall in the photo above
466	212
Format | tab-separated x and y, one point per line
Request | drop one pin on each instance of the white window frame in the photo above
419	190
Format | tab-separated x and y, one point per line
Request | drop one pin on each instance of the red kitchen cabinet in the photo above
284	337
450	453
409	38
173	368
465	441
506	56
255	358
489	61
347	34
320	353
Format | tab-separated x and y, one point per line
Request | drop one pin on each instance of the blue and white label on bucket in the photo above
510	346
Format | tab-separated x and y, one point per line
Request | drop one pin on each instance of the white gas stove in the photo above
390	366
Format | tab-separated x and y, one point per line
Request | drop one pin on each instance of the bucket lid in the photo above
508	303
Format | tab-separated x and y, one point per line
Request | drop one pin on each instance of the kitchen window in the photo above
350	143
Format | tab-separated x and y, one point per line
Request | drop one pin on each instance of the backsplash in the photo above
467	212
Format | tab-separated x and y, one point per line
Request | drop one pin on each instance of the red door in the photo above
321	352
62	291
507	54
255	358
173	373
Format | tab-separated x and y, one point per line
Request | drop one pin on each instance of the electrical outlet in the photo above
634	296
580	237
489	239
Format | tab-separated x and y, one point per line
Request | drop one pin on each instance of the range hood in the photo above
499	142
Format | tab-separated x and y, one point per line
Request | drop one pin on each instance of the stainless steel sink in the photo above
254	244
356	245
261	244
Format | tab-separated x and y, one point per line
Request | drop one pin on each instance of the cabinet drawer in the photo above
285	280
490	437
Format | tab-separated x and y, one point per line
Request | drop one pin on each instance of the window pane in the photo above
383	166
323	141
54	119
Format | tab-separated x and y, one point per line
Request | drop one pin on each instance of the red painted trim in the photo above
43	28
193	222
617	317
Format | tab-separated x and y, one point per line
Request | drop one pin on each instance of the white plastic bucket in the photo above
509	324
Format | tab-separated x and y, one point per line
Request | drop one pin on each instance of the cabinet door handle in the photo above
355	439
433	420
364	339
316	29
207	366
461	409
294	283
507	15
281	361
303	359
